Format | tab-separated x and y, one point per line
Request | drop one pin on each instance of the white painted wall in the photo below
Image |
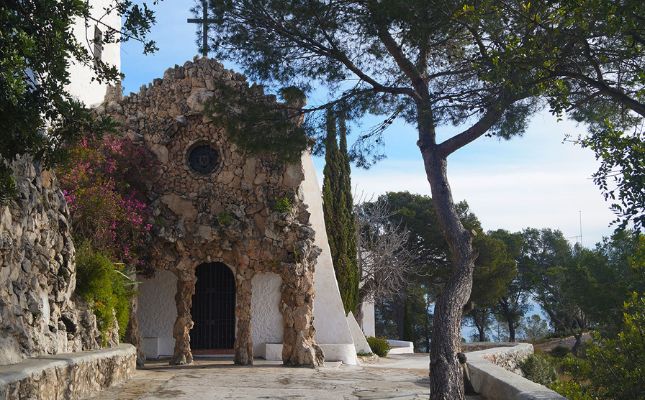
360	342
369	320
81	85
329	315
266	318
157	313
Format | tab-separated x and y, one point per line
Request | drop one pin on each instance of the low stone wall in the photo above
492	376
476	346
67	376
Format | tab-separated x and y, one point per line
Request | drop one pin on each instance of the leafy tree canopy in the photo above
38	116
514	303
600	279
546	253
622	357
494	271
481	60
348	48
588	56
426	243
432	63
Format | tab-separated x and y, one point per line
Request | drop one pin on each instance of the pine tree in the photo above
338	209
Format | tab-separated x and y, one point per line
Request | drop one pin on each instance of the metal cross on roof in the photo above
204	20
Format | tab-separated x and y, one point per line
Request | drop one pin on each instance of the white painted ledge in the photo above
494	382
400	347
346	353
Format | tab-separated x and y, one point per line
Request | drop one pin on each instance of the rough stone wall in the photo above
68	376
37	312
508	358
227	216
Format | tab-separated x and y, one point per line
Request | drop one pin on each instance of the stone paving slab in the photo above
219	379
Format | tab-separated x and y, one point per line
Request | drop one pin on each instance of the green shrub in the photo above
282	205
8	189
107	290
559	351
379	346
612	367
538	369
571	390
224	219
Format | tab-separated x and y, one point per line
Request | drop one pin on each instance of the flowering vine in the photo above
104	183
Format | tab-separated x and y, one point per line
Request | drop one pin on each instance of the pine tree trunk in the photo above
428	330
511	332
446	378
482	334
399	308
577	344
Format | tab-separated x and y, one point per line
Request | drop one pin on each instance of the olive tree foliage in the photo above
591	54
385	262
38	116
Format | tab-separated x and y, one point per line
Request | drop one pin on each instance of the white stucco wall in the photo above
81	85
369	320
329	315
266	318
157	313
360	342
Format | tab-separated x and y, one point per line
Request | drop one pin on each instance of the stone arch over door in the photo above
213	309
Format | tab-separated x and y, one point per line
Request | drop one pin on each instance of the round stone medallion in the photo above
203	159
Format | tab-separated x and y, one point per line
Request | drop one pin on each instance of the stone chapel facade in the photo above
240	257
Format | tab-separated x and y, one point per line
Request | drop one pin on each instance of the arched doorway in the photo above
213	309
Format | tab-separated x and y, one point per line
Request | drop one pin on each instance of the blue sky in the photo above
533	181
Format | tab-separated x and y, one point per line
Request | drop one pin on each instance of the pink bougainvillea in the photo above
104	184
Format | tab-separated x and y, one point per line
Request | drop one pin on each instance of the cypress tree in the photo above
338	210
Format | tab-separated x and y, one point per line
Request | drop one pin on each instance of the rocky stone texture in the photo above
67	376
227	216
38	314
491	374
508	358
132	333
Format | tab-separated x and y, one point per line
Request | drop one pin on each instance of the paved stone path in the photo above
395	378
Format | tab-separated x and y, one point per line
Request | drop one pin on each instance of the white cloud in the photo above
513	197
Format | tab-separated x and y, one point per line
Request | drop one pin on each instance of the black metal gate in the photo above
213	309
